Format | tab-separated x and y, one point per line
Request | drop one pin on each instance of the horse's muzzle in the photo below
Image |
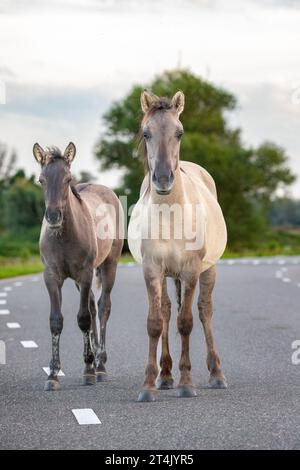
54	218
163	184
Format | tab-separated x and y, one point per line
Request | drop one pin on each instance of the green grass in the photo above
276	243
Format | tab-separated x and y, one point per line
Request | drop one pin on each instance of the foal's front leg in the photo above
185	326
154	282
85	322
56	325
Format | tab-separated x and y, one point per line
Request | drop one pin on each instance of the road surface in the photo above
257	319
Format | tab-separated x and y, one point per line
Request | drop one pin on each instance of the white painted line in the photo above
86	416
286	279
47	370
18	284
35	279
230	261
8	289
299	284
13	326
29	344
4	312
284	270
3	294
281	261
278	274
3	302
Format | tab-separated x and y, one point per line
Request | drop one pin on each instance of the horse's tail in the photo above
98	278
178	293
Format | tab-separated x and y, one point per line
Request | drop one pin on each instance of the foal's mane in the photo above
53	154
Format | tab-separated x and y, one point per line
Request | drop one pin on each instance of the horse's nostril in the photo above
53	216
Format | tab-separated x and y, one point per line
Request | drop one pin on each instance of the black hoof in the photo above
89	380
165	384
146	396
52	386
186	391
102	377
217	383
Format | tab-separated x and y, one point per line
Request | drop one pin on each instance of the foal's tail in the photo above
98	278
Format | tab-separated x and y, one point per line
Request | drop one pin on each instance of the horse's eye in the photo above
147	135
179	134
42	180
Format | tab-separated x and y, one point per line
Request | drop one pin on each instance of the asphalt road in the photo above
257	319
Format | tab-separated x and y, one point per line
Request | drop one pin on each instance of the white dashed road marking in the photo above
286	279
18	284
47	370
3	294
86	416
4	312
8	289
3	302
13	326
29	344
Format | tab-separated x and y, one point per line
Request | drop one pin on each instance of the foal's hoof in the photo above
102	377
146	396
165	384
186	391
89	380
215	382
52	386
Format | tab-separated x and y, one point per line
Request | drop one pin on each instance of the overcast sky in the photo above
64	61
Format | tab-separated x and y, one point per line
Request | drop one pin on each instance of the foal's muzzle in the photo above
54	217
163	183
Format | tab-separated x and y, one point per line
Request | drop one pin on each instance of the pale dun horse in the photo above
169	183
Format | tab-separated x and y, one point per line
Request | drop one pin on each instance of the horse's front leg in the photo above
85	322
207	283
185	326
56	325
154	280
165	380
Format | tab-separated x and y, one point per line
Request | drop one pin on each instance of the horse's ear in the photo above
39	154
178	102
70	153
147	100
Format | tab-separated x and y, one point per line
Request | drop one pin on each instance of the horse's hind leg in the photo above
56	326
94	332
85	323
108	276
165	380
207	282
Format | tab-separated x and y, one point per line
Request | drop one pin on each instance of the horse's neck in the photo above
177	194
73	213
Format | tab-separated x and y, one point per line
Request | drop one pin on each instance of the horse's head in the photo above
56	179
162	131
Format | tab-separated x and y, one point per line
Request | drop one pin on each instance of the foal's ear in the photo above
39	154
147	100
70	153
178	102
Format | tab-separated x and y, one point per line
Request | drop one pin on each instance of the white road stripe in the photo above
8	289
29	344
3	294
13	325
86	416
3	302
256	261
286	279
278	274
18	284
4	312
281	261
230	261
47	370
35	279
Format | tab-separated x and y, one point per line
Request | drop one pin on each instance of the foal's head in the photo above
162	132
56	179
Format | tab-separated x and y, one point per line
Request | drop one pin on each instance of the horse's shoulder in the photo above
98	190
193	170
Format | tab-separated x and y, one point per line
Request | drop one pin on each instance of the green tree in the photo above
246	178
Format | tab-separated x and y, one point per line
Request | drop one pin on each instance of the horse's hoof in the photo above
146	396
165	384
102	377
217	383
186	391
52	386
89	380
